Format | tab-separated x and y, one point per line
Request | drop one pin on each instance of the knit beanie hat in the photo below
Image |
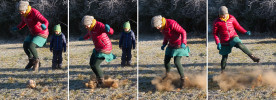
126	25
223	10
23	5
87	20
156	21
57	28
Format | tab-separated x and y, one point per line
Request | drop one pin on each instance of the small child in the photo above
58	43
127	41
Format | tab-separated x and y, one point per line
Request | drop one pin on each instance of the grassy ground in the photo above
13	77
80	71
240	62
151	66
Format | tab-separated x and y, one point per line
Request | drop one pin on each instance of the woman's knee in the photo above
26	45
177	59
91	63
32	45
167	59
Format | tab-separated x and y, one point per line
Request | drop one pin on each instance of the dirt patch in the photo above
172	81
232	80
108	82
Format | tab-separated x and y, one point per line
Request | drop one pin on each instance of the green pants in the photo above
225	57
95	63
30	50
176	62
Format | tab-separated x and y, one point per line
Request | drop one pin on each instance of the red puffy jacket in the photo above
99	37
224	32
34	21
174	34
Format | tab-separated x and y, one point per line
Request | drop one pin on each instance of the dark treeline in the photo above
254	15
112	12
190	14
258	16
53	10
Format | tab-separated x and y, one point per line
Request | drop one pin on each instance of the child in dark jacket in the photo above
126	43
57	45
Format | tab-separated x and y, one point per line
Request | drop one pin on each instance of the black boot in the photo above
255	59
182	82
123	64
54	66
100	82
59	66
166	75
36	64
129	63
30	64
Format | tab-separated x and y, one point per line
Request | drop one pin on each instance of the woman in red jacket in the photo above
177	47
38	26
226	37
98	31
